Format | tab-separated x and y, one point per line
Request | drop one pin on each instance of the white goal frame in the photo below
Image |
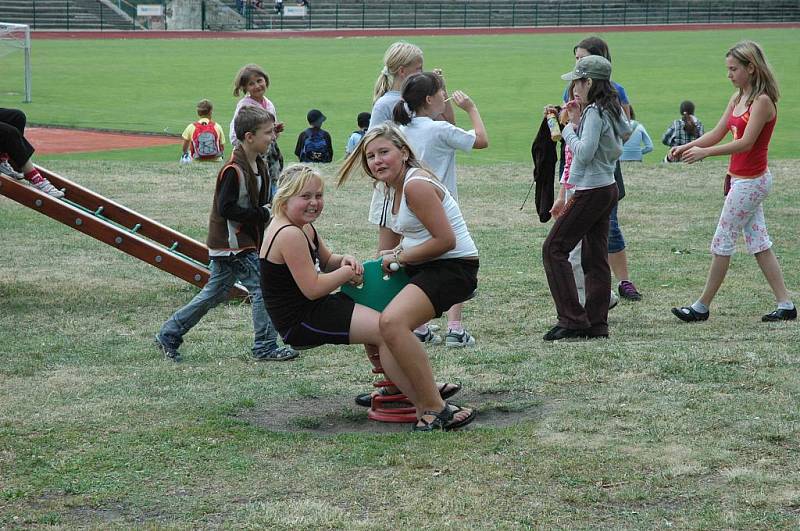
16	36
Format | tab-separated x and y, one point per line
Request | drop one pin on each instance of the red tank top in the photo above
754	162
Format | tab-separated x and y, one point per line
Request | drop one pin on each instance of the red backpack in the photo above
205	141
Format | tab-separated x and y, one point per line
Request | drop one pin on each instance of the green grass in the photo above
153	85
663	425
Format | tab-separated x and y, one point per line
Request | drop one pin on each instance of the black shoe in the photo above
170	353
559	332
689	314
780	315
279	354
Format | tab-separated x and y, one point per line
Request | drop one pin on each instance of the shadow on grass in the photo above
335	415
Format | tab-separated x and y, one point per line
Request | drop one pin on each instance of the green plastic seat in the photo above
378	288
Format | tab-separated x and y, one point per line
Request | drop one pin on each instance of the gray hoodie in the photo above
596	147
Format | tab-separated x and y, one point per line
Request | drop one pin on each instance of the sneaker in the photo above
46	187
613	301
433	327
628	291
279	354
170	353
6	169
780	315
430	338
458	339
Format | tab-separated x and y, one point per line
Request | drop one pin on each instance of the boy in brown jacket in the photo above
239	215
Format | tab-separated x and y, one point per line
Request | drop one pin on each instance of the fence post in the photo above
101	17
440	15
465	14
580	14
68	16
389	21
647	13
415	14
490	14
669	4
203	25
558	14
362	16
536	15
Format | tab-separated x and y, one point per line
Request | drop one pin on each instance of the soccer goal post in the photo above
15	37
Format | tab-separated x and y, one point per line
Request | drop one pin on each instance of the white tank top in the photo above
414	232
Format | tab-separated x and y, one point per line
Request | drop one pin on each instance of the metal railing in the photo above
73	14
391	14
499	13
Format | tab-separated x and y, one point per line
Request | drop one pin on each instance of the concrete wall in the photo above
188	14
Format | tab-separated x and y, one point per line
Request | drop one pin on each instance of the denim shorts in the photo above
616	242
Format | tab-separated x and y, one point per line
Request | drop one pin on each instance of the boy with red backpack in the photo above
204	139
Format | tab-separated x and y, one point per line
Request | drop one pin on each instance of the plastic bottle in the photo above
552	123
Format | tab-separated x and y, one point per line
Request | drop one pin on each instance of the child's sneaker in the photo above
458	339
428	338
628	291
613	301
46	187
170	353
6	169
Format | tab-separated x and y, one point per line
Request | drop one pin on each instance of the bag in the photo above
314	146
205	141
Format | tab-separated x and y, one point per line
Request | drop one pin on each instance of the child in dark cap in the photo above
314	144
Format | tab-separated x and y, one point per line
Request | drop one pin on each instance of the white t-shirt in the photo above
435	143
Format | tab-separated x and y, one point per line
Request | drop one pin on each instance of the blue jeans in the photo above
616	242
225	271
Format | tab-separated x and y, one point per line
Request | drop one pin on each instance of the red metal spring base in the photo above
389	408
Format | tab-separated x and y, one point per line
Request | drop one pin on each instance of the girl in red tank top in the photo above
750	116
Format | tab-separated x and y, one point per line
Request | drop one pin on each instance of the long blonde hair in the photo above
398	55
763	80
291	182
388	131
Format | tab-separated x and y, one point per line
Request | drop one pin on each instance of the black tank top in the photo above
285	303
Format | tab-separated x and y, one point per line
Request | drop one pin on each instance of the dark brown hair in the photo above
595	46
243	77
416	88
687	110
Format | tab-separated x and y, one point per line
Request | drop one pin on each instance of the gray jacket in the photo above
596	147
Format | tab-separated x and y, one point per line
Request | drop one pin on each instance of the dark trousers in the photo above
585	219
12	141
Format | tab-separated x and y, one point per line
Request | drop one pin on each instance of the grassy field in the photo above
153	85
664	425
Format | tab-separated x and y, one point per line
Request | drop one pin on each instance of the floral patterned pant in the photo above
742	212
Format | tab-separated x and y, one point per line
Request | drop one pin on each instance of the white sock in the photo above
699	307
785	305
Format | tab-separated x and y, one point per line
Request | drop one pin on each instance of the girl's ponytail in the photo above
689	125
402	113
382	84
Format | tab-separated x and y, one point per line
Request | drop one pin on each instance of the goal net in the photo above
13	38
